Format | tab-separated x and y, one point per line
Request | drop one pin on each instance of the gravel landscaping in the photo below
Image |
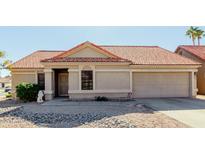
15	115
145	119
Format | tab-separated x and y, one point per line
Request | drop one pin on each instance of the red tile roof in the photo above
198	51
149	55
33	60
139	55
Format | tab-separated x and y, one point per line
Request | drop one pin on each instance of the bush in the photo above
27	91
8	95
103	98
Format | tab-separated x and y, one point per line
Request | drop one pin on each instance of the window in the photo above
41	81
87	80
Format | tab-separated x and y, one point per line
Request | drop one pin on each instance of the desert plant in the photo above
27	92
9	95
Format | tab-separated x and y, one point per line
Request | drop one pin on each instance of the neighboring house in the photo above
90	70
196	53
5	82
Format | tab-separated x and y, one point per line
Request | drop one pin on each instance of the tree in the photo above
199	34
4	64
191	32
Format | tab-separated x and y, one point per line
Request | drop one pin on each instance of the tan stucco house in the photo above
90	70
196	53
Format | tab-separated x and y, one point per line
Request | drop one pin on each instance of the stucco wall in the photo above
104	81
200	73
88	52
73	81
19	78
112	80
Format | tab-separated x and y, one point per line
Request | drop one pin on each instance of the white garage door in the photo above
160	84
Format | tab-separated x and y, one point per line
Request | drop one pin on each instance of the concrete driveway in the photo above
186	110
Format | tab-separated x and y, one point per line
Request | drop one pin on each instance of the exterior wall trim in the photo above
99	91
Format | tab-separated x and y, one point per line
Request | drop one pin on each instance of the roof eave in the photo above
45	64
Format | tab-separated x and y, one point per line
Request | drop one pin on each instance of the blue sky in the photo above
18	42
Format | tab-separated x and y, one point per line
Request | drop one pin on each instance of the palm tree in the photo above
199	34
191	32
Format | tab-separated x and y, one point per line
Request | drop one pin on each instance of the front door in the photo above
63	84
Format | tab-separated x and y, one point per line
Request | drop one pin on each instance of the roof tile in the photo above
198	51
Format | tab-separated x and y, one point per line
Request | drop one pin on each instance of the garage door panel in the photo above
160	84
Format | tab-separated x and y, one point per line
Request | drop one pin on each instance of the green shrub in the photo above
101	98
8	95
27	92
